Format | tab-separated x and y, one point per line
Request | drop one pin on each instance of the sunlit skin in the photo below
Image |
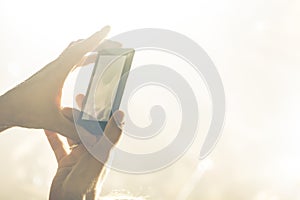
79	173
36	103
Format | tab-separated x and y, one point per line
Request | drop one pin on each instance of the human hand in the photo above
36	103
78	172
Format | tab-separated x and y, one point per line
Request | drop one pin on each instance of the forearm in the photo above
6	112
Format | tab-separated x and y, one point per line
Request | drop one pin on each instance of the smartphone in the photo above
106	87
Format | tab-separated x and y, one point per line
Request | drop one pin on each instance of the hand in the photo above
79	172
35	103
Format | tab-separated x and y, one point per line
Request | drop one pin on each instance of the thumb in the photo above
112	134
71	113
70	117
114	127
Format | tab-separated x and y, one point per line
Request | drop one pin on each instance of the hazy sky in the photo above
255	46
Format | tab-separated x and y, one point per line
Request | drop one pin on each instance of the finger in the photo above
71	142
87	59
92	56
71	114
74	53
108	44
56	145
85	173
114	127
93	41
71	117
95	189
89	168
60	68
112	134
74	156
74	42
65	124
80	100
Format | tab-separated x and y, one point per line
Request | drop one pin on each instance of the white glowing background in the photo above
255	46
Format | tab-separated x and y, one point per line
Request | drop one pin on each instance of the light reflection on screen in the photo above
103	88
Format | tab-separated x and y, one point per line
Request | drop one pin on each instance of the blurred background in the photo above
255	47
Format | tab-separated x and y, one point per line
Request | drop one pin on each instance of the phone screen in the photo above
103	87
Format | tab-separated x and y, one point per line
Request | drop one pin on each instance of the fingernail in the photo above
105	29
